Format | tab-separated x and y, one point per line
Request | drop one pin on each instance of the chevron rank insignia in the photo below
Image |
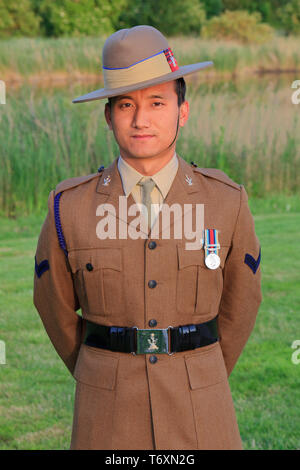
252	262
42	267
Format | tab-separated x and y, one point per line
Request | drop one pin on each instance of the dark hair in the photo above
180	88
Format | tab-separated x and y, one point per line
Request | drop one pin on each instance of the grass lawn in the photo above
37	391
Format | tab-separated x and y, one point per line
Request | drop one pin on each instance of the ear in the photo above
107	114
184	113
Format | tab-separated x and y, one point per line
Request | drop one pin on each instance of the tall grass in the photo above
251	131
46	58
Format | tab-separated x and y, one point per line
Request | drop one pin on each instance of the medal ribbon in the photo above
211	241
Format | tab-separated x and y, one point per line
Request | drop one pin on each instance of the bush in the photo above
238	25
17	19
290	17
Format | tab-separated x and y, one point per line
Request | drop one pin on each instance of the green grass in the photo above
37	391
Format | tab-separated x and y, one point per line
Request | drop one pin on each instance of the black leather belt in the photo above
151	341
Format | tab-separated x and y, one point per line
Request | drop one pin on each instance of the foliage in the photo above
185	16
238	25
17	19
55	18
267	8
253	5
213	7
76	18
290	17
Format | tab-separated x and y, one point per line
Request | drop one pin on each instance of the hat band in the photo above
147	69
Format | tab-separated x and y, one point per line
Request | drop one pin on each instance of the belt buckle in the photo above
152	341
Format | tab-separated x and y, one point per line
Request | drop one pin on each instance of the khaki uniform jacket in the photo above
122	401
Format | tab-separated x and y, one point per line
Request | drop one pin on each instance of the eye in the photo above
125	105
157	104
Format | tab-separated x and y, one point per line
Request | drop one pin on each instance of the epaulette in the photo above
73	182
63	186
217	175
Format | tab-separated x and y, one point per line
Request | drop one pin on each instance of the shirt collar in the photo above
163	178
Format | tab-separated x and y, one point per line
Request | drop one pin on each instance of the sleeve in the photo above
241	295
54	295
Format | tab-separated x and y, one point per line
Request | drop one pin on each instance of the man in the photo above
163	323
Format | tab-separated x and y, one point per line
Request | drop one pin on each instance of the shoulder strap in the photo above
73	182
217	175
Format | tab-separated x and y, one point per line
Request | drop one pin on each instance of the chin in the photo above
143	153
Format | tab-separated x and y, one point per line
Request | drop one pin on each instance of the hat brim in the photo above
106	93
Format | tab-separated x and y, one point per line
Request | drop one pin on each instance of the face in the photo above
144	122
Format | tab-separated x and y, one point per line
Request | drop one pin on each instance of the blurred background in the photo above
244	120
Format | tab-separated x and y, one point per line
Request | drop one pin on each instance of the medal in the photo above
212	261
211	248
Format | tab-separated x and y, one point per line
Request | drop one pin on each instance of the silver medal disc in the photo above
212	261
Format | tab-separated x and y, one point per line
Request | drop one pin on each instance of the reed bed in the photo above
249	130
73	58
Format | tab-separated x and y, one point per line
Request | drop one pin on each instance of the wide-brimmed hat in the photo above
137	58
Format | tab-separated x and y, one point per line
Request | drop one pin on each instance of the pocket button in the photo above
89	267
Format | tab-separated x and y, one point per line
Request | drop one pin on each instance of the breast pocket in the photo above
199	288
98	279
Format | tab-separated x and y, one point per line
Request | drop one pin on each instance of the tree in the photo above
290	17
177	17
76	18
18	19
267	8
213	7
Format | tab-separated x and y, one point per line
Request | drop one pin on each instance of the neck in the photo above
150	165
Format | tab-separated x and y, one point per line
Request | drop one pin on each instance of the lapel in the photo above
185	189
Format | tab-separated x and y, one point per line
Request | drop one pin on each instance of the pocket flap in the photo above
206	368
95	368
189	257
197	257
98	258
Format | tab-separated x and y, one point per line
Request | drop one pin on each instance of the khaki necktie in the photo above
147	187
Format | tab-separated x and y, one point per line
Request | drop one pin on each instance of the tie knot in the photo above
147	185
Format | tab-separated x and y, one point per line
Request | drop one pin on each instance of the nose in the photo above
140	118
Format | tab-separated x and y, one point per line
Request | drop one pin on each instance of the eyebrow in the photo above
118	98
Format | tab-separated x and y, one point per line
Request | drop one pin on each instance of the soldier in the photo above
161	326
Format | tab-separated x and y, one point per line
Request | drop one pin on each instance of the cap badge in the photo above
188	179
106	180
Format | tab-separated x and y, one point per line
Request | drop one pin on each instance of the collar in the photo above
163	178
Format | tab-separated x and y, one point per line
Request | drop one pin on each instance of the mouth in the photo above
142	136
